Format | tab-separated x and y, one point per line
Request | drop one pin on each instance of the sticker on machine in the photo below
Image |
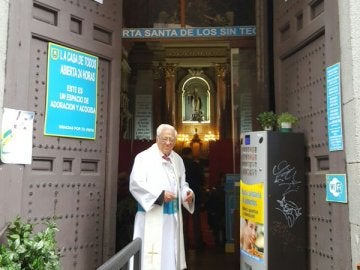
252	220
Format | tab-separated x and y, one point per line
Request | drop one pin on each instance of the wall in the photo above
4	13
349	19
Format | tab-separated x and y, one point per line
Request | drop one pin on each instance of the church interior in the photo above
203	86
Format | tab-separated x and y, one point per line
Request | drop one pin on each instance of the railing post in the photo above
122	258
137	259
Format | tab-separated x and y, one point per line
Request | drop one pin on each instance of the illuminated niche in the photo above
195	99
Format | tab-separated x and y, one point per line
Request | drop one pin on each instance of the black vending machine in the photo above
272	201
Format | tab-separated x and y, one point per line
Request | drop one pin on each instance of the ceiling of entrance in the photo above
193	13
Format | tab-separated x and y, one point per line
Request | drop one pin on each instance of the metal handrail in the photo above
122	258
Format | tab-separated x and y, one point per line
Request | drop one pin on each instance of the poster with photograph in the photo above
16	136
252	237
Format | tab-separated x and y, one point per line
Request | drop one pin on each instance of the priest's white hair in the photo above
163	127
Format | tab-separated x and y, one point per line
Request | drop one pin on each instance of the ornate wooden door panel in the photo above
302	52
67	176
70	178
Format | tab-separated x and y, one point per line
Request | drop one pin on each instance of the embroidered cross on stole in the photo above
153	239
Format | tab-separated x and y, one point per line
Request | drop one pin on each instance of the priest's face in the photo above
166	141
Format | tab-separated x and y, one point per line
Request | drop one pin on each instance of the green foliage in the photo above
26	250
286	117
267	119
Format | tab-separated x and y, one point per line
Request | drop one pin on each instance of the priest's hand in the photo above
189	197
169	196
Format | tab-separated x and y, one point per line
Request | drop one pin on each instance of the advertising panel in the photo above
252	220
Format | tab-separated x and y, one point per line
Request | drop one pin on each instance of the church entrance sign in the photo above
191	32
71	93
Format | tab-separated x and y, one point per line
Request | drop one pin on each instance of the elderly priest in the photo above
157	182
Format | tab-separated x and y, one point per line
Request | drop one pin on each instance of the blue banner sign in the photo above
71	102
196	32
334	116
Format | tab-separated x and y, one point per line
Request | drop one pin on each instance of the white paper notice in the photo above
16	136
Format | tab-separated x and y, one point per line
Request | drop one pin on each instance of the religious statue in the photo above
196	101
195	97
196	105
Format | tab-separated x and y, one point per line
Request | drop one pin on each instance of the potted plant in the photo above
267	120
285	121
28	250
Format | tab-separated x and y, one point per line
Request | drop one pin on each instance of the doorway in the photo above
173	73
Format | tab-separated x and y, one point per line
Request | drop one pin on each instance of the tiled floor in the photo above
213	258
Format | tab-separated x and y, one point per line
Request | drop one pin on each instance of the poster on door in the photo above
252	220
16	136
71	98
